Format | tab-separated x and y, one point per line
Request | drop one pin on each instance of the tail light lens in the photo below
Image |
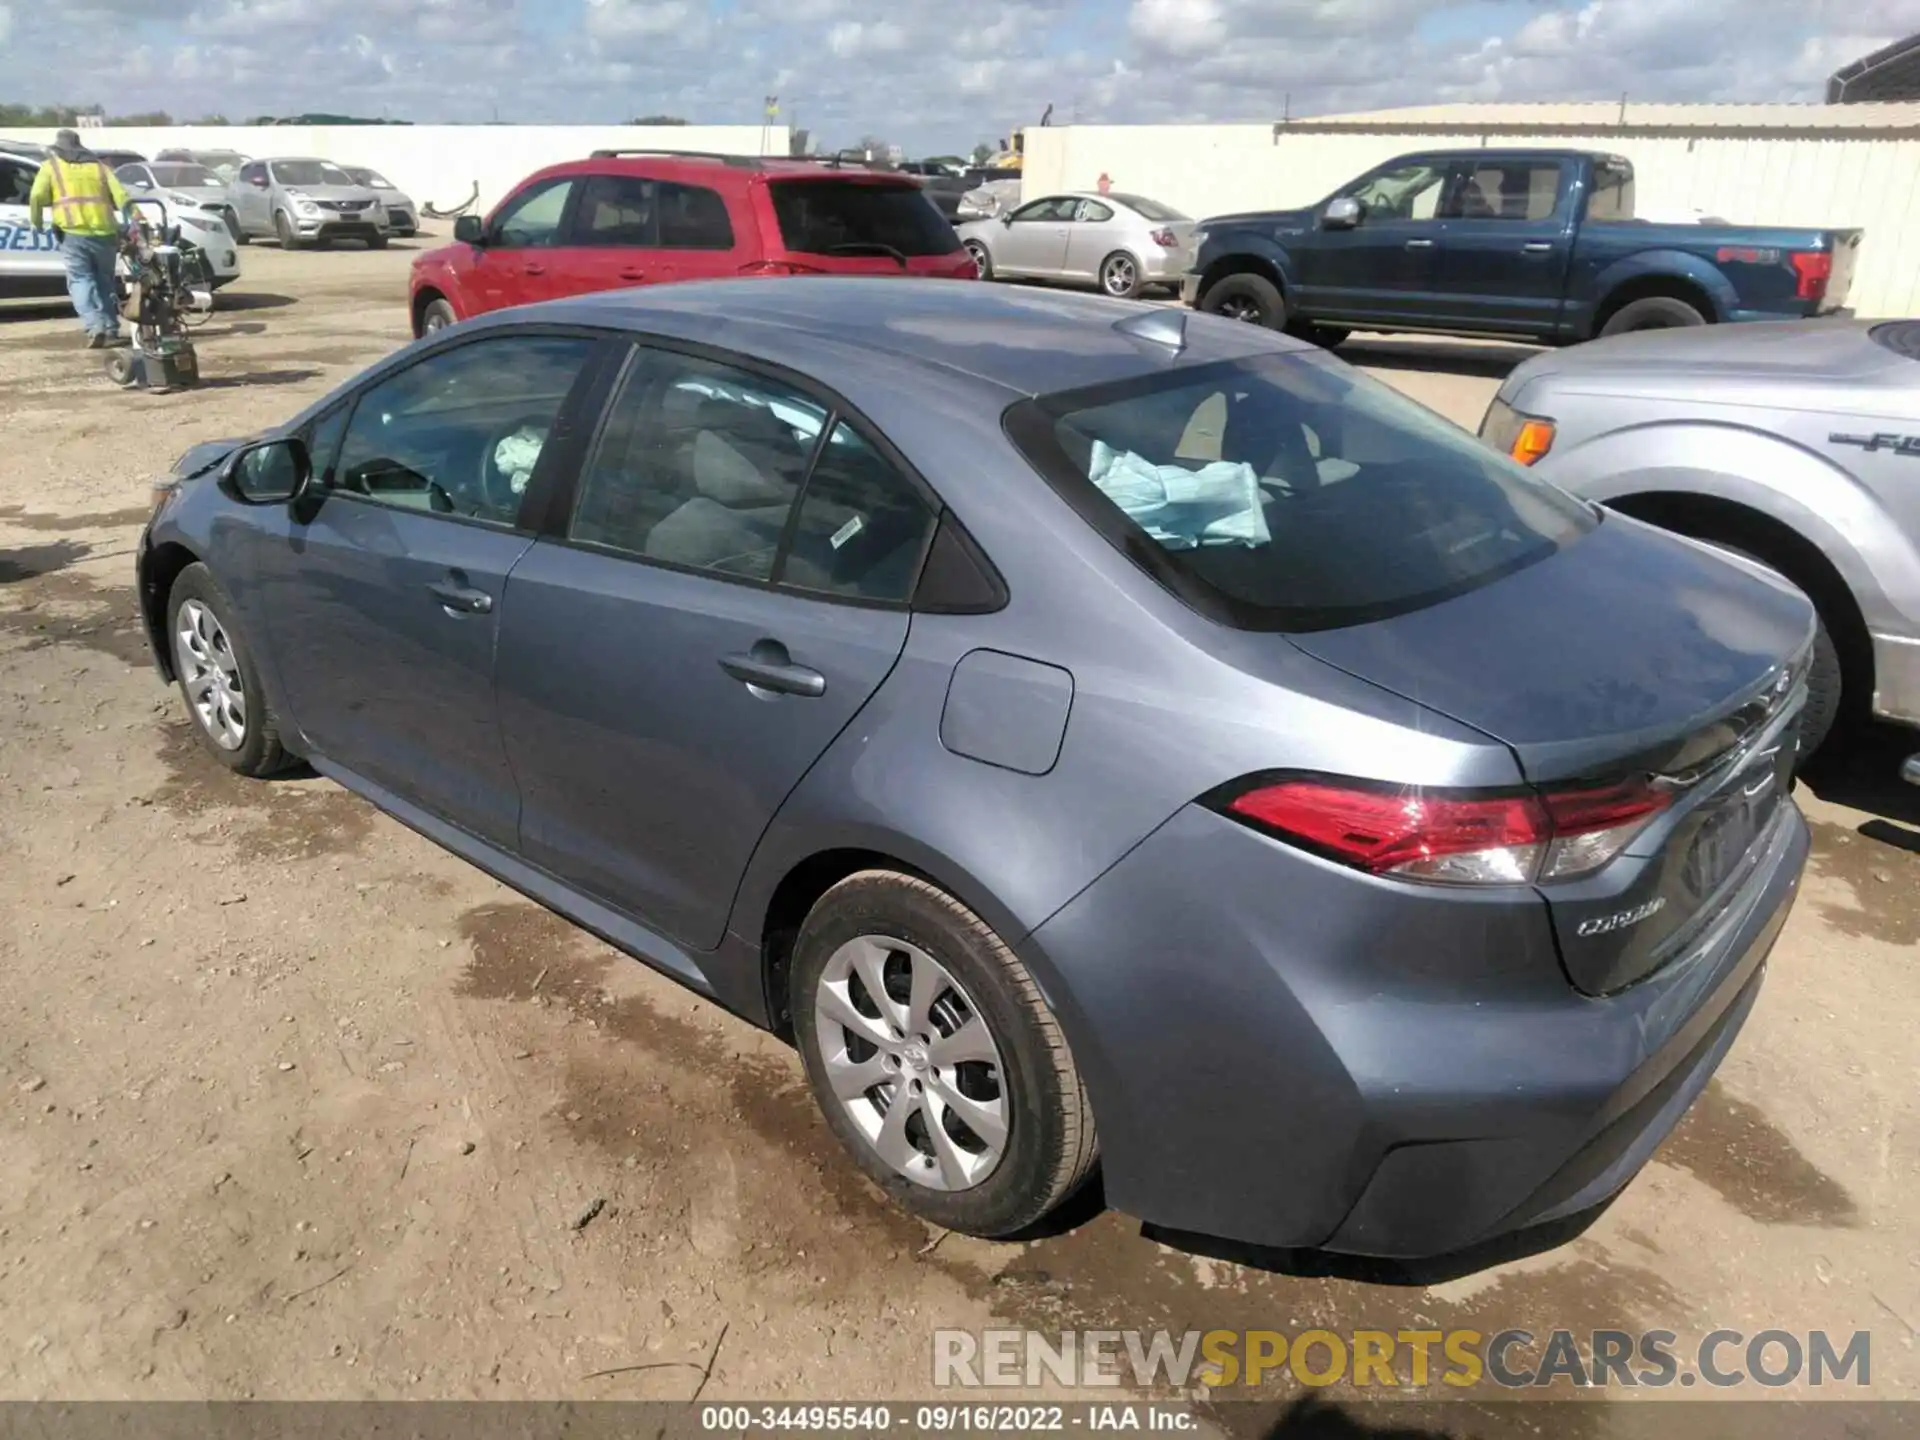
1812	269
1164	238
1452	837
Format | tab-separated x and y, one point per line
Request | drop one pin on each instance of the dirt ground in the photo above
295	1105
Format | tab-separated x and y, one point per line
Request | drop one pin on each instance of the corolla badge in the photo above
1620	920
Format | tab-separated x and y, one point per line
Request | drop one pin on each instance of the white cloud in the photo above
926	73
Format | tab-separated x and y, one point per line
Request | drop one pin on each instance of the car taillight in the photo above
777	267
1448	836
1164	238
1813	269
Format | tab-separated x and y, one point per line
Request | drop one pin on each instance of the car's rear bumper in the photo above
1282	1052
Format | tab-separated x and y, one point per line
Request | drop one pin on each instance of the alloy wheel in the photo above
912	1062
210	675
979	254
1242	309
1119	276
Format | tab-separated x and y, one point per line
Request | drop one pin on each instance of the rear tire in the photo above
1247	297
899	928
1655	312
1120	276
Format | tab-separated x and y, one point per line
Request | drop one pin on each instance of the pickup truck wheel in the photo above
1252	298
1655	312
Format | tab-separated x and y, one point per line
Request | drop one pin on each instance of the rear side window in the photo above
617	210
826	217
862	527
1285	492
1612	197
1508	190
692	217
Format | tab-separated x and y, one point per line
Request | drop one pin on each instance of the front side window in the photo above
16	184
460	432
1285	492
840	217
531	220
1046	210
1402	192
699	465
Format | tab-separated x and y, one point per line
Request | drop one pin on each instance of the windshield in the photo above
1149	209
182	174
824	217
1288	492
309	172
371	178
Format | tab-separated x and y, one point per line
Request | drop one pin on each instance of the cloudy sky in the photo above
930	74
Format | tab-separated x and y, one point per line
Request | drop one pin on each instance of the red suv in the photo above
634	217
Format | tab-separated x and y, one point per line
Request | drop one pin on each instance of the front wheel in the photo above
218	678
934	1058
283	231
1253	299
437	316
982	261
1120	276
377	242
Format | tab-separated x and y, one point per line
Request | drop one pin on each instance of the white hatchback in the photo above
30	264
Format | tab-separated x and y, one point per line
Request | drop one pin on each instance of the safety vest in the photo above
82	197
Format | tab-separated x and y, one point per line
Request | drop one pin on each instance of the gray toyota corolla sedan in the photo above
1098	736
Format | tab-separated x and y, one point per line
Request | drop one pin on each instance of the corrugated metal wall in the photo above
1824	179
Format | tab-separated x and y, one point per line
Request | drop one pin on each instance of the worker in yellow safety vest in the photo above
88	206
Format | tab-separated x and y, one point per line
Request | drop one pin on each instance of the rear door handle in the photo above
462	599
631	274
535	270
768	666
1537	247
1419	244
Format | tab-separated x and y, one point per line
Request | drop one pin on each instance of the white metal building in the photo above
1817	165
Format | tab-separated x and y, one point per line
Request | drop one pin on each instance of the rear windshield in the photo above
823	217
309	172
183	174
1288	492
1149	209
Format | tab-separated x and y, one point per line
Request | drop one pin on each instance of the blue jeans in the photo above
91	283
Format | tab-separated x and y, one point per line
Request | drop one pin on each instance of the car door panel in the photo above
648	769
524	260
1507	243
390	584
1383	269
1034	240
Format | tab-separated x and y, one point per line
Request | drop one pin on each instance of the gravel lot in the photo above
294	1105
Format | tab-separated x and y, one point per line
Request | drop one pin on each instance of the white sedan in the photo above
1121	243
30	264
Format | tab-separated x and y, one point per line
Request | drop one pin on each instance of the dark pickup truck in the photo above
1540	244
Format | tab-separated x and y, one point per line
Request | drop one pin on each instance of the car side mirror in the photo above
268	472
468	230
1343	214
1007	219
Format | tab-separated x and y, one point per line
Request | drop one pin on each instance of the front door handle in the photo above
768	666
1419	244
535	270
1537	247
461	599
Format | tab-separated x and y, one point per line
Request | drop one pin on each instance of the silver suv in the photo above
306	202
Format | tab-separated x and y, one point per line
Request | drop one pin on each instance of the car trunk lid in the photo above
1631	654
